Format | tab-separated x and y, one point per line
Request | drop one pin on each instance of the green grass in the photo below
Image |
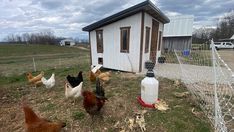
121	91
18	59
8	50
179	117
200	46
201	56
12	79
48	107
78	115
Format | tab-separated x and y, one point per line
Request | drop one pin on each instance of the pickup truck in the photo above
223	45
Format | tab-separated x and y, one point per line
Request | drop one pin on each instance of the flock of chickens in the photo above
93	101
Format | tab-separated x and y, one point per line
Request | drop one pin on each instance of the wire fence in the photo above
17	65
210	81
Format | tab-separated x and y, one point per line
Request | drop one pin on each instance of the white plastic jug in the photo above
149	90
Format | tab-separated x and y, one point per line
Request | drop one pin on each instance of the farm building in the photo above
125	40
178	33
229	39
67	42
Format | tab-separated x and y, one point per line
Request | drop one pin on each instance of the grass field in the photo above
121	92
18	59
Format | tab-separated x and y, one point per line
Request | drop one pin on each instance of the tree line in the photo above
224	30
46	37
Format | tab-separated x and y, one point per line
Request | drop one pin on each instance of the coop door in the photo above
154	41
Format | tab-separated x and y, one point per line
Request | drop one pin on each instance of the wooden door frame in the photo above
154	41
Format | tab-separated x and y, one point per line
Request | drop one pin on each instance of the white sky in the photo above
67	17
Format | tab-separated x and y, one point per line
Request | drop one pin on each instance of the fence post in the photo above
215	87
34	65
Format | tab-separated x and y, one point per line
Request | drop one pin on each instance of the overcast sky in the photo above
67	17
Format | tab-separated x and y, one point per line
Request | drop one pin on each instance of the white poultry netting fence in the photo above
17	65
209	79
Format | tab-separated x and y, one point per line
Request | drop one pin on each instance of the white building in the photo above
229	39
178	33
67	42
125	40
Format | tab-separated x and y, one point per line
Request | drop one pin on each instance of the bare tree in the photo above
46	37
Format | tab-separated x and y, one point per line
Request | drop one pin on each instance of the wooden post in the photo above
34	65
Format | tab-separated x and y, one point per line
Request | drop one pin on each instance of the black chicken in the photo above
75	81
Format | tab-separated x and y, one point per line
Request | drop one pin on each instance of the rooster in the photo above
35	80
33	123
73	92
99	89
50	82
75	81
94	101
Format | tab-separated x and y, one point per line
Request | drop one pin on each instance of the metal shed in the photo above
178	33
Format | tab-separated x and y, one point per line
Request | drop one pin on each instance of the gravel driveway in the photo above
228	57
191	73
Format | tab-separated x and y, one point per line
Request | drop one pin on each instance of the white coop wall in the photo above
112	57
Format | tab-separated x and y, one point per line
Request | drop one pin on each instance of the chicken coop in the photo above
125	40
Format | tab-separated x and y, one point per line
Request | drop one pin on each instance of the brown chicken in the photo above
105	76
93	76
35	80
94	101
33	123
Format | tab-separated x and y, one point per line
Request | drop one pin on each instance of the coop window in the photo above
124	39
147	35
99	38
160	40
100	60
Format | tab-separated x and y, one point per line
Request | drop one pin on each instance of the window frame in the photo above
160	40
99	50
121	39
147	39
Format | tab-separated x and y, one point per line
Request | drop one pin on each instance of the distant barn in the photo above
67	42
178	33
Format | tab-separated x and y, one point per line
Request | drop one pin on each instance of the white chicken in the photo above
73	92
50	82
97	67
